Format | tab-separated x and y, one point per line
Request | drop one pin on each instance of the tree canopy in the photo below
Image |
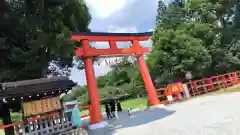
35	37
197	36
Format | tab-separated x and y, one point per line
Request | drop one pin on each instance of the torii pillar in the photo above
95	108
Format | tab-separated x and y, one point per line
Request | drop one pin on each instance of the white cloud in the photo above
130	29
118	16
104	8
150	30
140	14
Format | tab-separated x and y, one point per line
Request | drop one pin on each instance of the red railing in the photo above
162	93
199	87
84	107
206	85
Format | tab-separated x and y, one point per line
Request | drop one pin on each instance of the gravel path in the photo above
206	115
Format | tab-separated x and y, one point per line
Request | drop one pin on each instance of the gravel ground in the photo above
206	115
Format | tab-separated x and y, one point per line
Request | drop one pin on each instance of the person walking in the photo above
107	109
113	107
119	107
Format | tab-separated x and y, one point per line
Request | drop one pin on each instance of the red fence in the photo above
206	85
198	87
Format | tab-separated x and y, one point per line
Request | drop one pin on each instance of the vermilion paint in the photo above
87	52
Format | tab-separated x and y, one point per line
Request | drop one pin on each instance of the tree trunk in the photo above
6	118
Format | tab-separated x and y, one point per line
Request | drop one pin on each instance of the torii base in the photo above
98	125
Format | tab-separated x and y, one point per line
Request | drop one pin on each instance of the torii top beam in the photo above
86	50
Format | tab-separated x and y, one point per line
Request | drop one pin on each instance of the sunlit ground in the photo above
197	116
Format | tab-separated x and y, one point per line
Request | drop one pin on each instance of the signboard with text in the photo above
175	88
42	106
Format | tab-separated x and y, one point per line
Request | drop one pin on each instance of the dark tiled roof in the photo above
41	85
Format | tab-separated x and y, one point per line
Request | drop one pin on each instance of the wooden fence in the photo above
49	124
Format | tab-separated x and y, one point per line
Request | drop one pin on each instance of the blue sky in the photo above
117	16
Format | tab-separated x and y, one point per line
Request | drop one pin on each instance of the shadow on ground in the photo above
136	119
141	118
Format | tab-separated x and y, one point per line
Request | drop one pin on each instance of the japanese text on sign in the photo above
41	106
174	88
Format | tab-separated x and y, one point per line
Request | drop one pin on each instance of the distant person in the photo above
113	107
182	95
108	112
119	107
76	117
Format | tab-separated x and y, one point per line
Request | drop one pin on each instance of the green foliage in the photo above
35	37
124	78
83	99
16	116
76	92
124	72
195	36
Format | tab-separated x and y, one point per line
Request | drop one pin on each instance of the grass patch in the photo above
131	103
134	103
83	112
235	88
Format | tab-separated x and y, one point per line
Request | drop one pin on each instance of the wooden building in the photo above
16	95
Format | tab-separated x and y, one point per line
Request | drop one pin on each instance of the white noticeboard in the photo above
170	98
188	75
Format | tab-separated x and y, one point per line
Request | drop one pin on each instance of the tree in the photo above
193	35
124	78
35	38
161	11
224	49
175	51
226	54
120	73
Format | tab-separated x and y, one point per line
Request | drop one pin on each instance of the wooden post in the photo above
186	91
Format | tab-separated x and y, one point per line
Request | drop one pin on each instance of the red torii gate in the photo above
87	52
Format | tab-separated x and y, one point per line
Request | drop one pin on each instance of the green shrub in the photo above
16	116
1	122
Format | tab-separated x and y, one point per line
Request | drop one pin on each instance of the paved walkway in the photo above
206	115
